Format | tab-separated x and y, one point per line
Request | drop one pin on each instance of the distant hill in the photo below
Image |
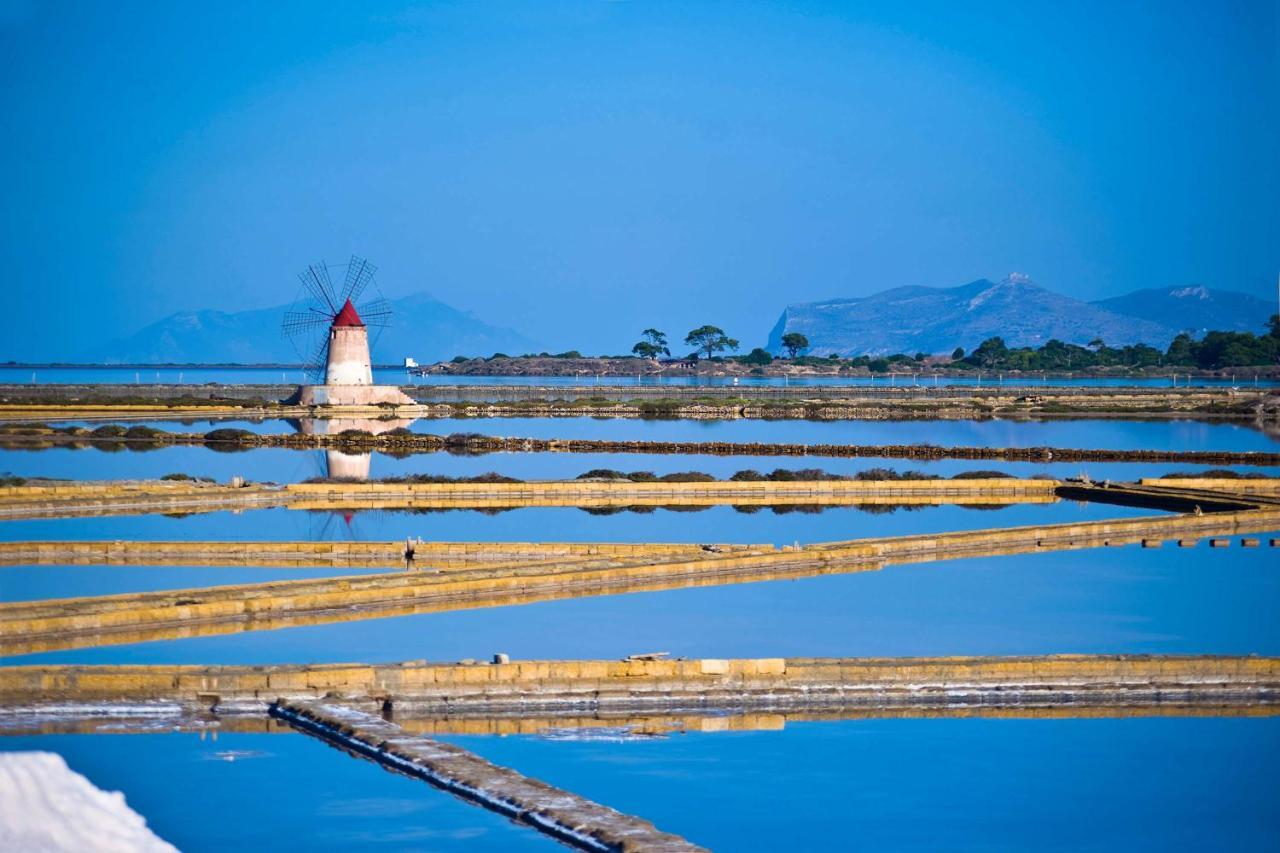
422	327
937	320
1194	309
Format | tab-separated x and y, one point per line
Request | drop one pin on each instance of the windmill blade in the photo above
298	323
315	278
319	360
376	312
359	274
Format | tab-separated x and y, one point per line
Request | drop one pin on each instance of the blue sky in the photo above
582	170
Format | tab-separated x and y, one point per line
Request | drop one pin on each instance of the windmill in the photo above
329	328
321	310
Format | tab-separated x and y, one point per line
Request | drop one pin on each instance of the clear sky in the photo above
582	170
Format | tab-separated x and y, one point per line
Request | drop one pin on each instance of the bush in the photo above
747	475
686	477
981	475
1214	474
109	431
142	432
178	476
602	474
891	474
227	434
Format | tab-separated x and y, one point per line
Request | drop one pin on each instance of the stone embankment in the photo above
563	815
371	555
623	686
28	627
67	499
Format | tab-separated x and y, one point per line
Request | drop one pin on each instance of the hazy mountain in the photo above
937	320
1194	309
422	327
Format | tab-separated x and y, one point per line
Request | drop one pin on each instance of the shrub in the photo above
981	475
109	431
602	474
686	477
227	434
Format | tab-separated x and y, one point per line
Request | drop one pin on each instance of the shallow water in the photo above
781	526
1097	784
931	784
1097	601
1112	434
284	791
278	465
38	583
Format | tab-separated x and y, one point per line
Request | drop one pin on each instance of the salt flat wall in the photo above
528	681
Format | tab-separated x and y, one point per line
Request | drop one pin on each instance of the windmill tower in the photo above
331	334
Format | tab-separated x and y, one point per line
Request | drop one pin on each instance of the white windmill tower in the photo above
330	330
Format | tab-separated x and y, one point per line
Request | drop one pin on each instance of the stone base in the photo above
351	395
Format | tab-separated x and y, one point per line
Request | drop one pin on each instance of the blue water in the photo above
37	583
290	792
1098	601
1113	434
288	466
936	784
398	376
902	784
531	524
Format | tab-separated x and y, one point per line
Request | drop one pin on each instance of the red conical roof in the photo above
348	316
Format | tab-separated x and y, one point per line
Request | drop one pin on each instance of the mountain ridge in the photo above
936	320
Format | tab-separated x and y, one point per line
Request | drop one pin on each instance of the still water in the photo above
879	784
782	526
936	784
1098	601
1113	434
276	465
285	791
906	784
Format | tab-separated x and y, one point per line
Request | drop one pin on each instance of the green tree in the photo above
793	342
990	352
711	340
653	345
957	354
758	356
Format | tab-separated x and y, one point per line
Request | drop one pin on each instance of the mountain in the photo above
422	327
1194	309
937	320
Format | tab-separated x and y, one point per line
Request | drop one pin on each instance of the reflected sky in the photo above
1097	601
780	526
1100	785
223	794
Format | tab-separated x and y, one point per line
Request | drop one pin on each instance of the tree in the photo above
957	354
1273	323
990	352
793	342
758	356
653	345
1097	344
711	340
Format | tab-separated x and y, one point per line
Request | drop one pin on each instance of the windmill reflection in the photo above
338	464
